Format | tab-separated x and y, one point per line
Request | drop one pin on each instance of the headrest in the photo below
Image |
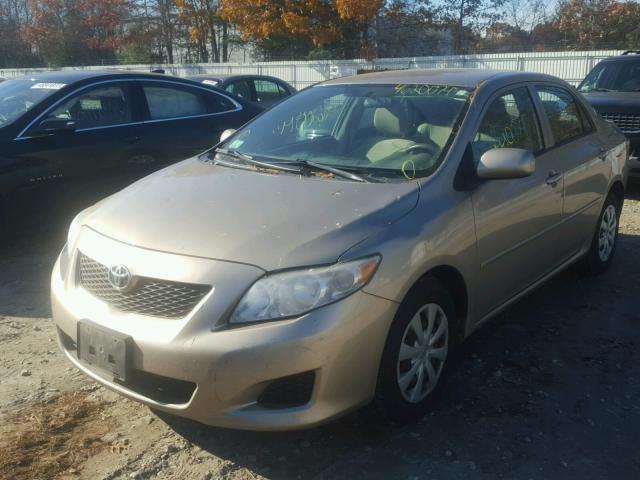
386	122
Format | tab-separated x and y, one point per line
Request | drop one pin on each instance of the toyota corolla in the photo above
335	249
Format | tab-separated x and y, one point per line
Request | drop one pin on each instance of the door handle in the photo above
553	178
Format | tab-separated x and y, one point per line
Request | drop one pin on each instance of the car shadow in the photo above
633	189
517	399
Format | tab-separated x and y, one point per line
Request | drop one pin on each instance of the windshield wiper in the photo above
334	170
599	89
284	165
252	161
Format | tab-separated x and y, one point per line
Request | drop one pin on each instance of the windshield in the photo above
613	77
399	131
17	97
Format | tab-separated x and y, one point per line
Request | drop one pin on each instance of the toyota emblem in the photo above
119	277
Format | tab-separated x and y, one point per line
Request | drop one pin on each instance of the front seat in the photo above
391	141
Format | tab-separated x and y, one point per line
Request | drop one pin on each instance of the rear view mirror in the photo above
500	163
227	133
50	126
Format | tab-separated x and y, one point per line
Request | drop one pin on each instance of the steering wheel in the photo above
421	147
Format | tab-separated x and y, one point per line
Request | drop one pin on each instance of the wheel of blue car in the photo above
605	238
414	362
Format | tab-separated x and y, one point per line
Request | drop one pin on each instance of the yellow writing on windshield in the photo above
416	90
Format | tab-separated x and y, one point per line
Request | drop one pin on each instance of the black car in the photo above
612	87
259	89
87	128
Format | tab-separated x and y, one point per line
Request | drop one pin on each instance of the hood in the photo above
614	102
268	220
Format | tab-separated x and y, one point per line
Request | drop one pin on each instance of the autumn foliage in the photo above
58	26
322	21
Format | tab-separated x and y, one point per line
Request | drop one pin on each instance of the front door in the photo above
516	219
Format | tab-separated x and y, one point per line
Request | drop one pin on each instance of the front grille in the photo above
149	296
626	123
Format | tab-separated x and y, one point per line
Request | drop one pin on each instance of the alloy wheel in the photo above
423	352
607	233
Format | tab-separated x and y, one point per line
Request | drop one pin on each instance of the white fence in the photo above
570	66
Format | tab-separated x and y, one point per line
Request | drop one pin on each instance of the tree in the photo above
469	17
72	32
208	30
14	50
321	23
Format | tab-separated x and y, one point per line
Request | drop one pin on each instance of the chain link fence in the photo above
570	66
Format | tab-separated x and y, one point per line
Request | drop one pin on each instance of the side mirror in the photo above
227	133
50	126
500	163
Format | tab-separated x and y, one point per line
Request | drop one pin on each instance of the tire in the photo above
605	239
398	395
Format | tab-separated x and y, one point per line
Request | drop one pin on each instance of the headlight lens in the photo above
297	292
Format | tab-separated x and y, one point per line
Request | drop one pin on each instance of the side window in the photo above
509	122
96	107
267	90
240	88
167	101
218	104
562	111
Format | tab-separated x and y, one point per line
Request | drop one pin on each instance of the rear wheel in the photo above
414	361
605	238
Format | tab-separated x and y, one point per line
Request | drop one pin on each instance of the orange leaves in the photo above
591	21
362	11
319	20
200	15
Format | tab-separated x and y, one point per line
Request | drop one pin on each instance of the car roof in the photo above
71	76
460	77
224	78
629	57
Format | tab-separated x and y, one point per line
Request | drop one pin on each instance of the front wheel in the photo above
416	352
605	238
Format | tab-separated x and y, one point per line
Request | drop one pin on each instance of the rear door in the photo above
579	155
516	219
183	120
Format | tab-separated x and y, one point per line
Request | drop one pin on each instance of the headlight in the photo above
294	293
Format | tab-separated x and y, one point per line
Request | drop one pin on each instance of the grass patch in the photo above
52	438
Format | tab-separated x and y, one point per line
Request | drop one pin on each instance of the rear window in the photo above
565	117
167	101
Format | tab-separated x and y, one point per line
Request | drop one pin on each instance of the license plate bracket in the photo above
104	350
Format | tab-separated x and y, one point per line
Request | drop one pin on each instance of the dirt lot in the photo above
549	390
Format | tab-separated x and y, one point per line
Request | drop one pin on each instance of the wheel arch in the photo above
617	188
451	279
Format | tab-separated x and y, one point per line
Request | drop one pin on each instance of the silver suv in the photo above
336	248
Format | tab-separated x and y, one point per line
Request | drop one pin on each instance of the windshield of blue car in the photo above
19	96
622	76
400	131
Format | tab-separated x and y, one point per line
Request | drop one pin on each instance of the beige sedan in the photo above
334	250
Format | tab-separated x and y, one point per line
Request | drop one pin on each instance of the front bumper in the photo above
634	155
229	368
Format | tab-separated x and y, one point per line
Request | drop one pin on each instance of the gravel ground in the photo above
548	390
